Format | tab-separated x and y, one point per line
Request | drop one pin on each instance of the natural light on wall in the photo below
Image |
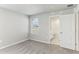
35	25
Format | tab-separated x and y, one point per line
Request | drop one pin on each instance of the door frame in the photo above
50	27
76	28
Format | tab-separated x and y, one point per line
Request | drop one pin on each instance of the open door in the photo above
67	31
54	26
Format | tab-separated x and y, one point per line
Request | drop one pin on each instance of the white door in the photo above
67	31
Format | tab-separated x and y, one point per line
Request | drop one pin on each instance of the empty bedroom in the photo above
39	29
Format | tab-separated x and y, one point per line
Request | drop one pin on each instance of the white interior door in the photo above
67	31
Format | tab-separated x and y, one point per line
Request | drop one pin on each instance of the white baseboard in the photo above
13	43
40	41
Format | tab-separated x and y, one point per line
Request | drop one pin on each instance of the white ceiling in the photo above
32	9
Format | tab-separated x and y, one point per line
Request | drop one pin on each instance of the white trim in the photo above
76	29
40	41
13	44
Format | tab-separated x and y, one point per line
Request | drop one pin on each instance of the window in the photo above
35	25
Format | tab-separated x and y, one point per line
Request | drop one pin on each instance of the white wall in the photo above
67	27
13	27
43	34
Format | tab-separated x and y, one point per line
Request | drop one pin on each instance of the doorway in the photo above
55	30
62	31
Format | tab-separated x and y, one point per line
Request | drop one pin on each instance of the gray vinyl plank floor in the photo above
34	47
